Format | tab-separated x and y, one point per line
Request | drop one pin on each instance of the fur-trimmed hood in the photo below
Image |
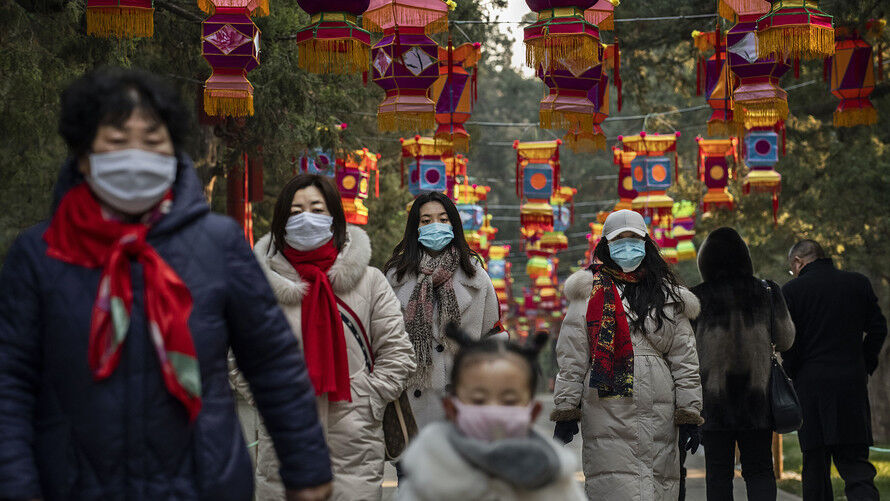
580	284
345	273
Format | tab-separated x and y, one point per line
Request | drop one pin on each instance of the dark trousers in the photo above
851	462
756	454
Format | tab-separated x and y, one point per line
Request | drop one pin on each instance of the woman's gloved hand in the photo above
690	437
565	431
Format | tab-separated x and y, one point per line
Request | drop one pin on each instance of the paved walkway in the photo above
695	464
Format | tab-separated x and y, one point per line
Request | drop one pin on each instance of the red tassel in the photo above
572	212
377	183
365	78
475	83
617	73
775	208
676	167
826	68
556	167
698	77
797	68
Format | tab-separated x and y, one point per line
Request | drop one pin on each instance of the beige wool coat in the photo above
352	429
479	313
629	450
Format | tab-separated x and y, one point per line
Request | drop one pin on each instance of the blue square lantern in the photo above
562	218
432	176
761	148
471	216
319	162
537	181
651	173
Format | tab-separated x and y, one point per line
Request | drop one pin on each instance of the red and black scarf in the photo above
324	343
611	349
79	234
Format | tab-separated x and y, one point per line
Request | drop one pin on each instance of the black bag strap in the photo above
772	315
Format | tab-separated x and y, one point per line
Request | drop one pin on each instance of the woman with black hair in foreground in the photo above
628	368
438	279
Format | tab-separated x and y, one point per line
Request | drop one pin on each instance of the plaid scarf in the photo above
79	234
611	350
434	285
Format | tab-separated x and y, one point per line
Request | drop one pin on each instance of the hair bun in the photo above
454	332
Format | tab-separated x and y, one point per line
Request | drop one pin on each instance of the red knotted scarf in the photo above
79	234
611	349
324	343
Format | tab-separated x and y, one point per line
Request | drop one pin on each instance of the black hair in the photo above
656	286
724	255
406	256
807	248
285	199
108	96
489	348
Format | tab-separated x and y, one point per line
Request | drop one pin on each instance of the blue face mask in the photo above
435	236
628	253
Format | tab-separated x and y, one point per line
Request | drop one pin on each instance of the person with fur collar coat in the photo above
349	324
628	368
734	338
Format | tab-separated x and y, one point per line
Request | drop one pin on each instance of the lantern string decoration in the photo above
454	92
761	156
796	29
476	223
684	230
333	42
427	169
715	81
353	180
561	32
499	269
626	192
231	45
714	171
120	18
652	174
384	15
853	80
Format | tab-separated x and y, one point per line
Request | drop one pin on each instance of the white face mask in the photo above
131	181
308	231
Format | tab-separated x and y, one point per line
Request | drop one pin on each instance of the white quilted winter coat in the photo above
353	430
630	448
479	313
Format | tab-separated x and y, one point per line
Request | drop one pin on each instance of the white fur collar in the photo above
580	284
434	466
344	275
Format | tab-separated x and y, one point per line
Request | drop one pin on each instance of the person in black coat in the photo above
116	317
734	337
830	362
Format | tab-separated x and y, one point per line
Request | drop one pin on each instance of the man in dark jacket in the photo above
116	317
830	362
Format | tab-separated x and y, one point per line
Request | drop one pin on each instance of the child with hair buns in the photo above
487	448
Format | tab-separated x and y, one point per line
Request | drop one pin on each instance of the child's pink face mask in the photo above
493	422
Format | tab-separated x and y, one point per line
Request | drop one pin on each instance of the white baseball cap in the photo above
624	220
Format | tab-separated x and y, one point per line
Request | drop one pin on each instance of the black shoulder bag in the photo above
786	413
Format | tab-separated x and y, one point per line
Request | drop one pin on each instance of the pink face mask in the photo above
493	422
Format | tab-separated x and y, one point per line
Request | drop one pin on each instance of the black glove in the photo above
690	437
565	431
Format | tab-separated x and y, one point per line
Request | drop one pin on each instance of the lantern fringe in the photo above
257	8
761	112
228	103
554	119
333	56
716	128
729	13
457	142
405	121
856	116
585	143
553	48
433	21
807	42
122	22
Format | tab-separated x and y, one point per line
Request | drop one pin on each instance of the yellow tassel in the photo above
222	103
856	116
262	9
553	119
725	11
761	112
551	49
806	42
405	121
121	22
585	143
333	56
723	129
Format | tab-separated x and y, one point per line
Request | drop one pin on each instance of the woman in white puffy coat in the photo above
628	368
438	278
378	353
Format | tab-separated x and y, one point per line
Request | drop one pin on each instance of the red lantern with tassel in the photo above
714	171
626	192
853	80
795	29
560	32
537	176
453	91
651	173
120	18
333	42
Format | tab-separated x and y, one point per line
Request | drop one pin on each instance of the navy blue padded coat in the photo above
64	436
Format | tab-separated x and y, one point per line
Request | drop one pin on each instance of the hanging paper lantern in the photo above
405	62
593	238
626	192
758	100
853	80
333	42
353	181
684	230
651	172
499	271
561	31
231	45
662	234
602	14
120	18
714	171
537	176
796	29
319	162
456	174
427	169
455	92
761	156
714	79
